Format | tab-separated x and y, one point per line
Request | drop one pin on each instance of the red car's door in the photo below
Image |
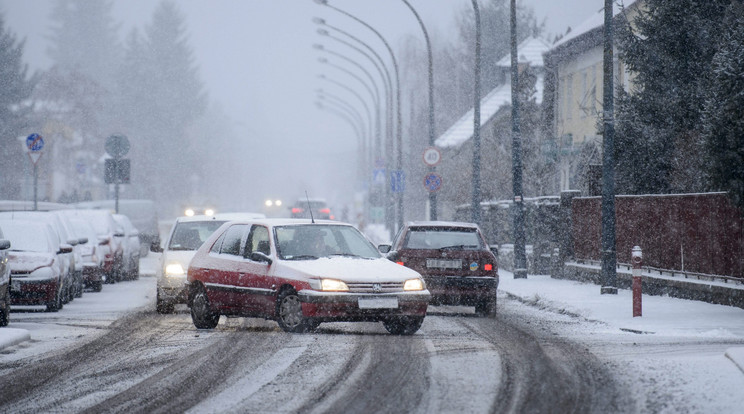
258	286
225	274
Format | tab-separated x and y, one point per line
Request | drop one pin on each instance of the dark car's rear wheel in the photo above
201	313
289	313
403	325
162	305
486	307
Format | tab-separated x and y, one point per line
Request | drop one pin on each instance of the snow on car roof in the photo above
441	224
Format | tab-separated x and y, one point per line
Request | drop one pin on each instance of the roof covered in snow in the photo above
596	20
529	51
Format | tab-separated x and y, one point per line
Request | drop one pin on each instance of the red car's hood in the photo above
29	261
349	269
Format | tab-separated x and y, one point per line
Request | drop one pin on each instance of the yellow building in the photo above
573	99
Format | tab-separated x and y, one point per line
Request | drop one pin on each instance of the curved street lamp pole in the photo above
520	256
343	112
356	94
432	195
382	69
475	203
399	130
374	90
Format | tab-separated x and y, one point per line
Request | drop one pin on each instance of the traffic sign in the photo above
432	156
397	181
116	171
117	145
34	142
34	155
433	182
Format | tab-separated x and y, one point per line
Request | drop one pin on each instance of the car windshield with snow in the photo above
301	275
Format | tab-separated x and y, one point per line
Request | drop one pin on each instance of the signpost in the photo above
432	182
397	181
117	169
35	143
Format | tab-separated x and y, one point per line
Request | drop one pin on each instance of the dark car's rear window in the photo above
442	237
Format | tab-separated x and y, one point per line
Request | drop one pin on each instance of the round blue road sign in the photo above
34	142
432	182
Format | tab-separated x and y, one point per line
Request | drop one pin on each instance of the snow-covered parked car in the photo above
37	264
60	229
302	273
4	281
92	252
187	234
130	243
106	230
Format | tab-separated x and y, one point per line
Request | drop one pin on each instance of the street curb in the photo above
13	336
736	355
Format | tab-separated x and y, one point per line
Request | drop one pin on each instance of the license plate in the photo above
378	303
443	264
15	285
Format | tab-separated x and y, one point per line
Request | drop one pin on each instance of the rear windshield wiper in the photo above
458	246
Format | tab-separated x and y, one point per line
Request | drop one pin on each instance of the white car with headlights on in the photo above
187	234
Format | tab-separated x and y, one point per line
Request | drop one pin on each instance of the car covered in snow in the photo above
130	243
454	260
187	234
301	273
37	265
92	254
4	281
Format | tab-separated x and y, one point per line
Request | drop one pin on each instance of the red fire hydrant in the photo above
637	260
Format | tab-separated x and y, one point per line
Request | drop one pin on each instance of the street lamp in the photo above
432	194
476	193
374	89
399	130
349	110
382	69
520	256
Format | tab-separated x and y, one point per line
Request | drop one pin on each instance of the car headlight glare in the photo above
413	284
174	269
333	285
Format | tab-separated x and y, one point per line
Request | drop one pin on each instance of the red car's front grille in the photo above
375	287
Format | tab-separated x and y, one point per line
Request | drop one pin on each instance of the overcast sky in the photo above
257	61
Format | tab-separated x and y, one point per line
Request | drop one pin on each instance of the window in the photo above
258	241
442	237
233	237
569	96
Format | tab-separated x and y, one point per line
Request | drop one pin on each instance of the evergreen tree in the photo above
669	50
723	118
15	89
84	40
161	96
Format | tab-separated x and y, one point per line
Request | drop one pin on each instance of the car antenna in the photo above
312	219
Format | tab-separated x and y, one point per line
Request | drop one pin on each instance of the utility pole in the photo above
520	255
476	192
609	255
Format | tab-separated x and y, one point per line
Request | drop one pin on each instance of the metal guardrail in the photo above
673	273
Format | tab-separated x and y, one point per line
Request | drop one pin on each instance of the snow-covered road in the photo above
555	345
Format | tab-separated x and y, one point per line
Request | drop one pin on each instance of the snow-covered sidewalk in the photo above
662	316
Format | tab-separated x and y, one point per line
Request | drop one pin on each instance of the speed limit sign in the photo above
432	156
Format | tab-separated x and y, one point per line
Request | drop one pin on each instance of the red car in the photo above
301	273
454	260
